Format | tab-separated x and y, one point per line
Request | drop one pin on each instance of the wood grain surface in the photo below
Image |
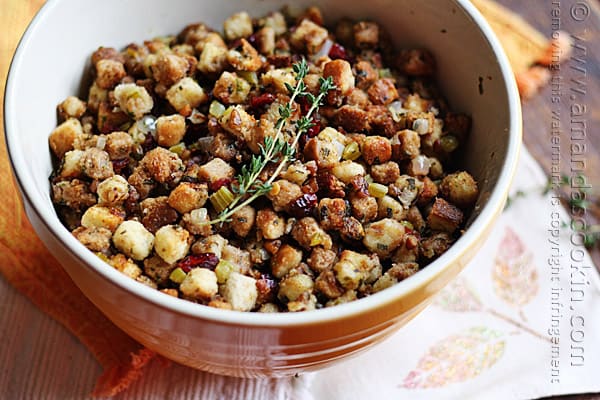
39	359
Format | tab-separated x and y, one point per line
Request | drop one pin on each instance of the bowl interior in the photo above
52	58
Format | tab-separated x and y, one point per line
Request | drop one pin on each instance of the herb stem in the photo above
248	178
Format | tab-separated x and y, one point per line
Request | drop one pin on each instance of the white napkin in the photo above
520	322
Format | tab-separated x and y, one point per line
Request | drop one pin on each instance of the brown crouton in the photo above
444	216
382	91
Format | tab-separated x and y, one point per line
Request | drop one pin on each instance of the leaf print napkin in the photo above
520	322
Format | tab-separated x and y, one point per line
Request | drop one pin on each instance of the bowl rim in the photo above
490	210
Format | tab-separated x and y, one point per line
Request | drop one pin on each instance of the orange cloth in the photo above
31	269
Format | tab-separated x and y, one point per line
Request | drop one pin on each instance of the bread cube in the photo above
132	239
200	283
171	243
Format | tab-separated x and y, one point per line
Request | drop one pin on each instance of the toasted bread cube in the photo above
376	150
71	107
216	169
197	222
126	266
170	130
74	194
109	73
275	20
213	58
119	145
238	122
327	285
133	240
326	153
242	221
286	259
384	236
113	191
240	291
429	191
347	170
101	217
460	188
70	166
231	89
332	213
294	286
341	73
200	283
397	273
366	35
444	216
171	243
94	238
321	259
211	244
133	99
296	173
385	173
64	136
365	74
266	40
186	95
277	78
96	163
169	68
287	193
309	36
364	209
162	165
244	57
388	207
406	144
382	92
270	224
354	268
307	231
96	96
188	196
237	26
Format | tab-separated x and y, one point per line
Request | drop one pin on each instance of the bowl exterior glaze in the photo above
473	72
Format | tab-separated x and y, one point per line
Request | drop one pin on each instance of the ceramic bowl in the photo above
49	65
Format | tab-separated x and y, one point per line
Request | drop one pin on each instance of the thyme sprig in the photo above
276	149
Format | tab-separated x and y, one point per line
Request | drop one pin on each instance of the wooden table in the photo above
34	347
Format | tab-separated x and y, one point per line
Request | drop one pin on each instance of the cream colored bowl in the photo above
48	66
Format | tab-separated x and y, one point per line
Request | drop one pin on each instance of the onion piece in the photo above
325	49
395	108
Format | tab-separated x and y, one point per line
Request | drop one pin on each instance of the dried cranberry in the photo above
359	186
280	60
304	104
314	129
204	260
216	185
266	287
262	100
149	143
338	51
132	203
303	205
120	164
